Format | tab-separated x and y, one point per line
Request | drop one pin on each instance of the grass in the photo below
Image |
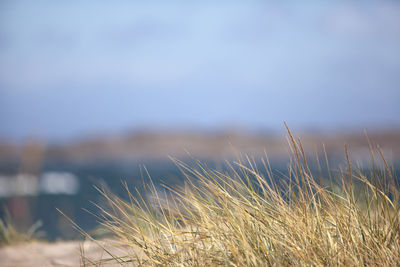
249	216
10	234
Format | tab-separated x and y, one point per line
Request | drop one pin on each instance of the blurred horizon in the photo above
71	69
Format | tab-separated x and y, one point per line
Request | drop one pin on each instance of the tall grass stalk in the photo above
251	217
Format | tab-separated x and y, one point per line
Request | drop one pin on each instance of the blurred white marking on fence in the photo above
31	185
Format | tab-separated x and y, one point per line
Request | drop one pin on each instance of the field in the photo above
242	217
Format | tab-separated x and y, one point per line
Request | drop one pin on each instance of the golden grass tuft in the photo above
10	234
251	217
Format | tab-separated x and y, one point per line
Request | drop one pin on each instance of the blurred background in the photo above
91	91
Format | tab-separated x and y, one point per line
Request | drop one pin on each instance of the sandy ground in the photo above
66	253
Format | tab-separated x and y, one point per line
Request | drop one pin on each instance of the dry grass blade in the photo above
246	217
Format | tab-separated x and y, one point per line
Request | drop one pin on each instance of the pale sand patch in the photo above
62	253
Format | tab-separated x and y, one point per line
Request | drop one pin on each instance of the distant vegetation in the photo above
250	217
10	234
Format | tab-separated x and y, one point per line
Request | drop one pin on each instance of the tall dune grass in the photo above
249	216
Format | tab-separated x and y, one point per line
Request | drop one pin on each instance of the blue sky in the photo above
73	68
